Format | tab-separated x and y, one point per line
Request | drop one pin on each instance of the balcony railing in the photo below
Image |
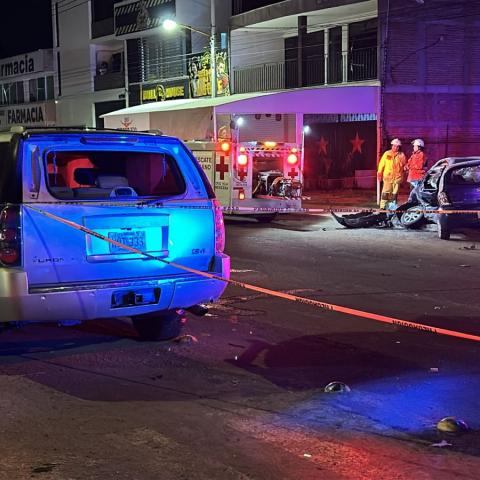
360	65
109	80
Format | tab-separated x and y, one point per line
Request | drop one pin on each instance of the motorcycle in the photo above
273	183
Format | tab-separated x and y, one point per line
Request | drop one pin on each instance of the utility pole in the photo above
213	59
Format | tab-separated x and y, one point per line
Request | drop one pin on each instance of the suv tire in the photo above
158	326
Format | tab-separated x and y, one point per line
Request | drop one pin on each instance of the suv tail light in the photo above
219	228
10	241
443	199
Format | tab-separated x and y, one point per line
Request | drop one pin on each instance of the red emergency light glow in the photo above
294	150
292	159
242	149
225	146
270	144
241	194
242	159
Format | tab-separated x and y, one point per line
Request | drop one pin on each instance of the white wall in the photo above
74	47
79	110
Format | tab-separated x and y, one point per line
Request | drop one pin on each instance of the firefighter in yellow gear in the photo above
390	171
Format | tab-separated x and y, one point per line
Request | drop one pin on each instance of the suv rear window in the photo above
465	176
100	174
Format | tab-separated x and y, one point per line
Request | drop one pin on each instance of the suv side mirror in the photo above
35	172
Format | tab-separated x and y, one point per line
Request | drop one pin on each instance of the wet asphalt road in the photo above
241	396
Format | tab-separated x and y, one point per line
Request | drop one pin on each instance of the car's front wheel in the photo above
413	217
443	231
158	326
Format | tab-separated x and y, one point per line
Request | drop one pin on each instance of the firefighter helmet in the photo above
396	141
418	142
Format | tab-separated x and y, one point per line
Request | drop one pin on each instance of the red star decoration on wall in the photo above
357	143
322	146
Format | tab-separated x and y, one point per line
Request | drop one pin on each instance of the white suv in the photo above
145	191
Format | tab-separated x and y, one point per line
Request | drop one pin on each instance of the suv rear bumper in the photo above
86	302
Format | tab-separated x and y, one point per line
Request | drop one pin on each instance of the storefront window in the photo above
50	92
32	88
41	89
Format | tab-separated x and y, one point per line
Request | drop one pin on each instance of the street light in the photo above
170	24
305	131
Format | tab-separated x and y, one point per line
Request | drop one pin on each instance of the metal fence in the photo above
361	64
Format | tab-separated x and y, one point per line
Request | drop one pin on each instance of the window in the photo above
32	88
12	93
20	93
465	176
162	57
50	92
93	175
41	89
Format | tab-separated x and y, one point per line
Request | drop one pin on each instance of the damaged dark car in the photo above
451	185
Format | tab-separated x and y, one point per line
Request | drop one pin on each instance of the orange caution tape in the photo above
267	291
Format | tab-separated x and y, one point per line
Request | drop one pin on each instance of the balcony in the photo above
102	28
109	81
356	66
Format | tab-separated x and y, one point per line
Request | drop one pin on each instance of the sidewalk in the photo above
347	198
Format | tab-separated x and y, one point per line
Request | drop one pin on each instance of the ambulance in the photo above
258	179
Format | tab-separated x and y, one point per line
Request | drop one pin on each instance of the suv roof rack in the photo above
77	128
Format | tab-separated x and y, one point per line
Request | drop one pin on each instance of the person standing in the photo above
390	172
416	163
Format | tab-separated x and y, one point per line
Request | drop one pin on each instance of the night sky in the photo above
25	25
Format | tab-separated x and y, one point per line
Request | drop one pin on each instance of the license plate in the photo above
134	238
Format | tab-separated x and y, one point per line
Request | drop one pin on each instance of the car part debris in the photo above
452	425
334	387
365	219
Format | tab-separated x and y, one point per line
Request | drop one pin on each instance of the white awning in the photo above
193	118
185	104
316	100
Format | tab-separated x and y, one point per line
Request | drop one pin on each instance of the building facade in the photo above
422	56
430	73
110	54
27	90
418	61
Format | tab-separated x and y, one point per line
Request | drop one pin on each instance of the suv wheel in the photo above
158	326
412	217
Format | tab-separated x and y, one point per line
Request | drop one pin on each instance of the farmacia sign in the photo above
19	66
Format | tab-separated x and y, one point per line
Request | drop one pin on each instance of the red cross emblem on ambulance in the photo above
222	168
